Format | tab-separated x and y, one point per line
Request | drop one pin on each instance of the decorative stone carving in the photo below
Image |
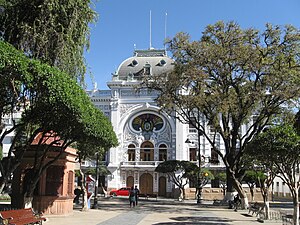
166	135
139	138
124	108
114	105
129	135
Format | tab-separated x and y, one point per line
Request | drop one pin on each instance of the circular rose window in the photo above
147	122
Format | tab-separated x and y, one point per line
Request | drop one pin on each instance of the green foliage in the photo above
56	32
228	76
54	106
252	177
70	113
102	171
172	166
221	177
297	122
278	145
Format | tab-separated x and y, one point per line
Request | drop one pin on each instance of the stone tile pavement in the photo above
116	211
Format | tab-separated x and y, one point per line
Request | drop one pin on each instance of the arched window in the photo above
163	152
147	152
131	152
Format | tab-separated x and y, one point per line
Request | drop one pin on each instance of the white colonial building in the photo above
147	135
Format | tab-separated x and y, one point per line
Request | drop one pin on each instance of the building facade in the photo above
147	135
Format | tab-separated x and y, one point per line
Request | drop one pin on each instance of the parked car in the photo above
120	192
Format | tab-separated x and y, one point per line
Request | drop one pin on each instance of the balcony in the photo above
140	164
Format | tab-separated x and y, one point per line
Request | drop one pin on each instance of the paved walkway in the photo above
116	211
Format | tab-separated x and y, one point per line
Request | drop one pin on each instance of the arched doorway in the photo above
146	183
129	181
162	188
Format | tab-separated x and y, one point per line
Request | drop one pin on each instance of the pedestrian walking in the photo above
137	192
132	197
77	193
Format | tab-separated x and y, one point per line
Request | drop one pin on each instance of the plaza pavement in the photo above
116	211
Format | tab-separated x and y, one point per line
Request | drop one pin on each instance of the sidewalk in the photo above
116	211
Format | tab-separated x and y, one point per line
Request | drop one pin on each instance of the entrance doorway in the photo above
162	186
146	183
129	181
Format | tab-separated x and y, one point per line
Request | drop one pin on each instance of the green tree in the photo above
253	177
178	172
200	177
55	32
279	149
222	179
87	151
232	77
71	117
182	172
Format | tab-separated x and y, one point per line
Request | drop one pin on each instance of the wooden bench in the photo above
147	196
21	217
257	209
287	219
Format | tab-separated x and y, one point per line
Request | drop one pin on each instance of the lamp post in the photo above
199	186
95	206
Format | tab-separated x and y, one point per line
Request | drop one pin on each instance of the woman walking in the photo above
132	197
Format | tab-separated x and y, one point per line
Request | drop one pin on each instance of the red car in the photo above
120	192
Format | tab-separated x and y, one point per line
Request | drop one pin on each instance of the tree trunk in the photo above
84	199
296	206
27	202
103	190
181	194
252	193
242	194
84	193
267	210
2	184
265	194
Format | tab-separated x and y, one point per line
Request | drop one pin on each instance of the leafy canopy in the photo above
228	78
56	102
56	32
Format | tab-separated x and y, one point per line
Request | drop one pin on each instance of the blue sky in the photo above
125	23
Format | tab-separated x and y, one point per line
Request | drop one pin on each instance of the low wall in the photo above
53	205
217	194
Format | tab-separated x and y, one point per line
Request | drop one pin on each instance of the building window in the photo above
193	154
214	157
147	69
54	180
147	152
70	183
192	123
162	152
131	152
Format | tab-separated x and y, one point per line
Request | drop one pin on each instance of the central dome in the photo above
144	62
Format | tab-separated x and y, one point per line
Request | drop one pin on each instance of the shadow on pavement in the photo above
196	221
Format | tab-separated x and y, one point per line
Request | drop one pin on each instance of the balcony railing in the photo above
141	163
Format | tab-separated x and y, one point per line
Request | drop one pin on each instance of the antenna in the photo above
150	31
166	15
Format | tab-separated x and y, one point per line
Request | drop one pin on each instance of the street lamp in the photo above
199	185
95	206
